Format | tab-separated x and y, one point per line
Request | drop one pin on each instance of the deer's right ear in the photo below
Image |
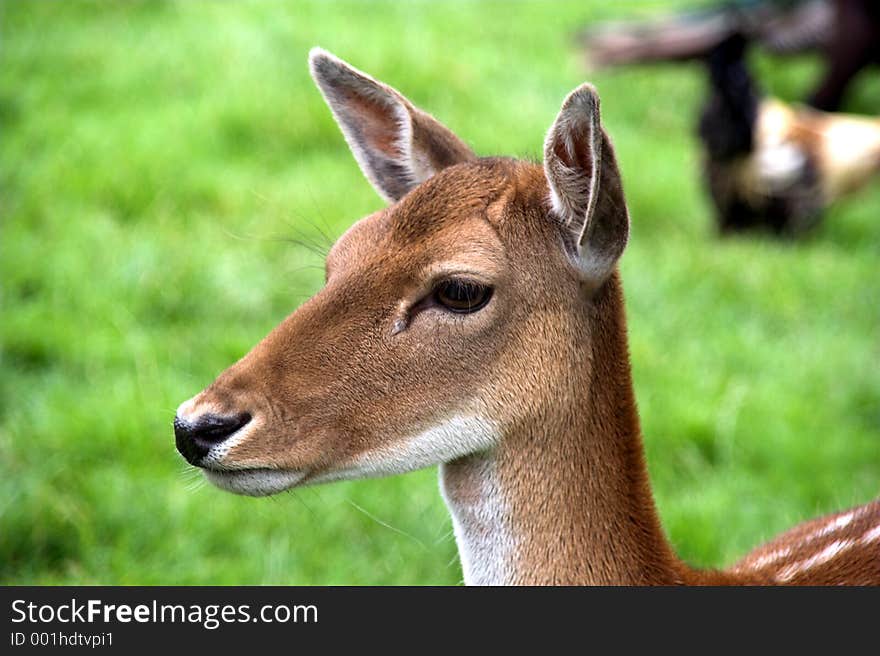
585	187
396	144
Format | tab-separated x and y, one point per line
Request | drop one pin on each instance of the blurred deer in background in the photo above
767	164
773	165
477	323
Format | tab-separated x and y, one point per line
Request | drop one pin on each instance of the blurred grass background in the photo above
156	159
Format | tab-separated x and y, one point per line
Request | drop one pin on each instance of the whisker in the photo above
326	241
327	236
310	246
196	485
300	217
445	537
300	238
387	525
299	498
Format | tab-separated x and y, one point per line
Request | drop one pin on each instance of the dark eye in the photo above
462	296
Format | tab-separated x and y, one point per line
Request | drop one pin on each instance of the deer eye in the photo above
462	296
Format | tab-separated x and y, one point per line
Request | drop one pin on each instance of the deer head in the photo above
458	312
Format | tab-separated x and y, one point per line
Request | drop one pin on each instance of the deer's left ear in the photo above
585	186
396	144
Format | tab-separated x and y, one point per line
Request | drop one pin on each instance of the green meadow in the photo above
169	176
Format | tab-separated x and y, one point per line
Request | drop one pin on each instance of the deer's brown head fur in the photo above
373	375
477	323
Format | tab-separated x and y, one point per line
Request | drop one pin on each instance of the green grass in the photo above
157	157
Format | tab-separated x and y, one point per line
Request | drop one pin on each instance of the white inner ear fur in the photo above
574	189
412	167
411	170
403	146
575	184
417	162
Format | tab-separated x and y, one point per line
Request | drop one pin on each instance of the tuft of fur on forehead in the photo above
459	192
467	191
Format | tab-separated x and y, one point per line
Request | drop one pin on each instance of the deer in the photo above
772	165
476	323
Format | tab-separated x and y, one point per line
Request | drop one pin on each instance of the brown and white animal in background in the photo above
768	164
477	323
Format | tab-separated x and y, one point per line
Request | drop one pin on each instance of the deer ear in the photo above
585	187
396	144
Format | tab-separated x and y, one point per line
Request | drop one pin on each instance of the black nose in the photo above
195	438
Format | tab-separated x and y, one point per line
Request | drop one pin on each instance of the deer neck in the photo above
565	498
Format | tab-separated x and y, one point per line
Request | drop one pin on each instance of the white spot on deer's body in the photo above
828	553
871	536
769	559
835	524
832	526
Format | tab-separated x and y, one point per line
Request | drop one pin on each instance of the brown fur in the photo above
546	358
